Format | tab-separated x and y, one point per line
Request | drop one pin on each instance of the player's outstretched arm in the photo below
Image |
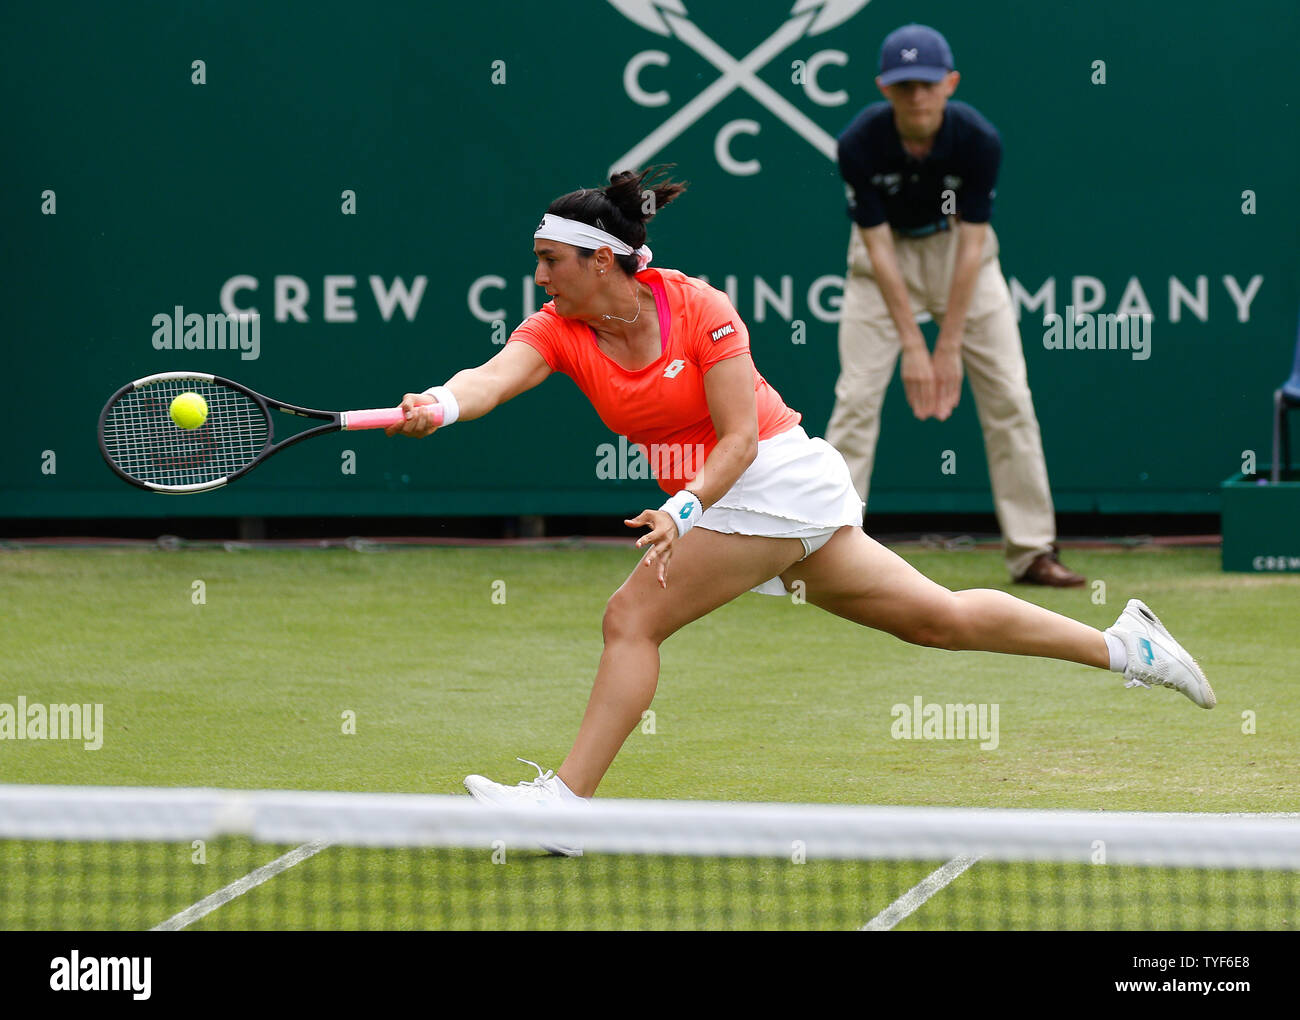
518	367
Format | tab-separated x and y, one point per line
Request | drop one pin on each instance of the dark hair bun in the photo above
622	208
639	194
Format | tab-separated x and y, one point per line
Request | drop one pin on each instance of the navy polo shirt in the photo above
887	184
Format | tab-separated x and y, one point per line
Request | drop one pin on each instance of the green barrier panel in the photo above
368	179
1261	524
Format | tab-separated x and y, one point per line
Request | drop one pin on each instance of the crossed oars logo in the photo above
668	18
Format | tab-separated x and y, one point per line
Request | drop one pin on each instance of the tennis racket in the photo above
144	446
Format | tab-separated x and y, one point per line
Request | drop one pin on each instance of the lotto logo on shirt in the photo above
722	331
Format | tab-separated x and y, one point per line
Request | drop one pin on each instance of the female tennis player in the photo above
665	361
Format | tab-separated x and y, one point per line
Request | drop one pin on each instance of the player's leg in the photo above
855	577
869	349
708	569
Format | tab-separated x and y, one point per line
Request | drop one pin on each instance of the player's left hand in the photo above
947	378
663	532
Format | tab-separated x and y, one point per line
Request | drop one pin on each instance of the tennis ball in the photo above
189	410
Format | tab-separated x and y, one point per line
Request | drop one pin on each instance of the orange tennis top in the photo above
662	408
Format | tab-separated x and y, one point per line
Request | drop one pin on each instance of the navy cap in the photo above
914	53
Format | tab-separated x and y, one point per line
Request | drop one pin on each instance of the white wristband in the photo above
685	510
450	408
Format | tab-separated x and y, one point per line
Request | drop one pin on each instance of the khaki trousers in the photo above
993	360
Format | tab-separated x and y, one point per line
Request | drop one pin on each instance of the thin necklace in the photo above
635	317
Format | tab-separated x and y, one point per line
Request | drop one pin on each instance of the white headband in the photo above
584	235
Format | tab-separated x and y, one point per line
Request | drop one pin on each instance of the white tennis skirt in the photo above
796	487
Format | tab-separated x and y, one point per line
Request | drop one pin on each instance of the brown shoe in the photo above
1048	570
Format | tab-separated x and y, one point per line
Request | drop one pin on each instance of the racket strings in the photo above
143	442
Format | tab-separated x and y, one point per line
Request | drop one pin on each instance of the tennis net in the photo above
101	858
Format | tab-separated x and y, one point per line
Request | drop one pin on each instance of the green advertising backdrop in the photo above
133	188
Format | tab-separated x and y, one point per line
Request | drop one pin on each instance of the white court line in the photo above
237	888
918	894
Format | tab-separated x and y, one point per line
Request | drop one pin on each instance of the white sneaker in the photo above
1155	658
544	791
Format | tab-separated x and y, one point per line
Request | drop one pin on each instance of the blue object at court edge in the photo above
1286	397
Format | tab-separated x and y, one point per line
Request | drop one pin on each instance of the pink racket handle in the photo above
383	417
